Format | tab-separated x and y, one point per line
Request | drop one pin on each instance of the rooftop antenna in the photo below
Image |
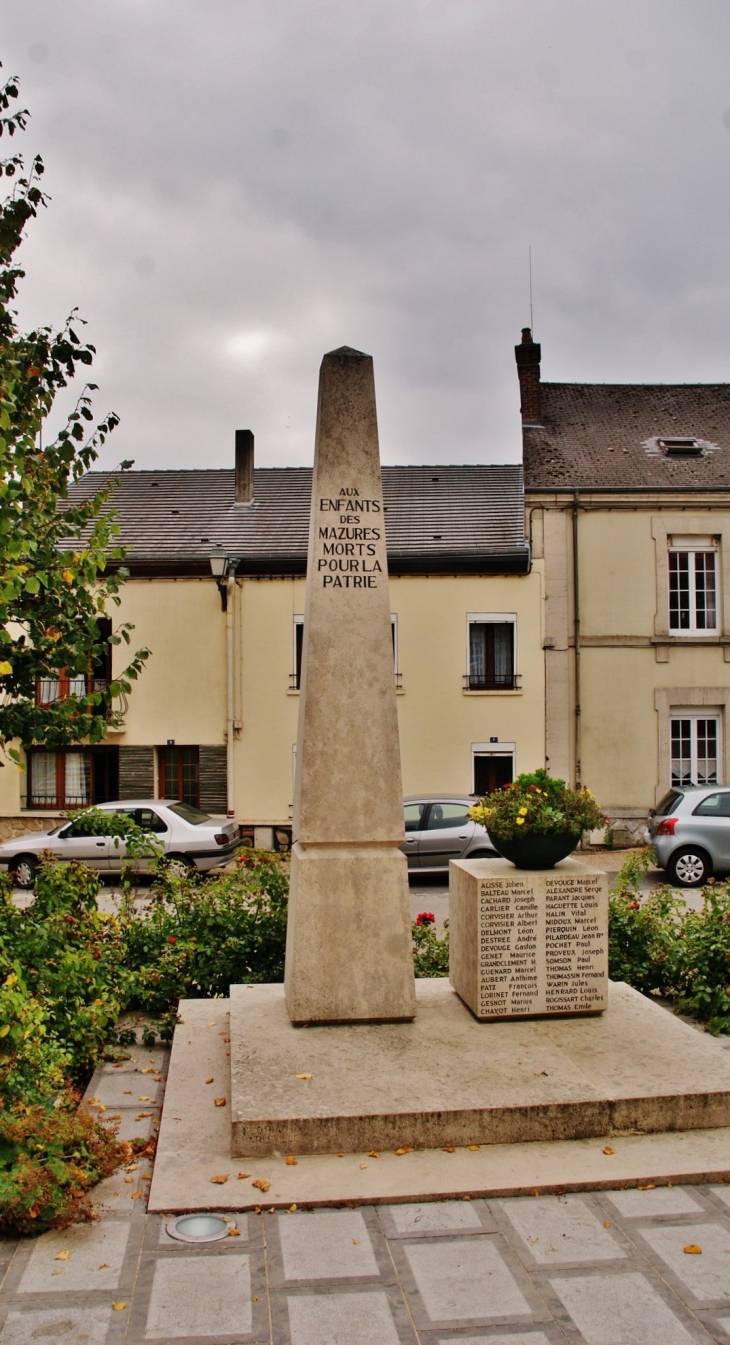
529	263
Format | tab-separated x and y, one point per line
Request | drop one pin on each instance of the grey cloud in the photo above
239	187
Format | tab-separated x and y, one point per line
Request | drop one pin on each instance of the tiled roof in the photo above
606	435
433	515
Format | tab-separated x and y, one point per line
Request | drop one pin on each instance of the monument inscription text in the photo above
348	541
541	939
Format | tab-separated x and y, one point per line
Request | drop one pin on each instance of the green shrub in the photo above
430	953
641	934
51	1154
700	964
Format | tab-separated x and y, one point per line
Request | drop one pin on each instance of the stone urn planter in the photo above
530	850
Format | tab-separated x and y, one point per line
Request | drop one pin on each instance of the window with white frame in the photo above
695	745
693	605
295	677
491	652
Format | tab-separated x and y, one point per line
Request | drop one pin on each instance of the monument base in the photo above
448	1079
341	967
638	1067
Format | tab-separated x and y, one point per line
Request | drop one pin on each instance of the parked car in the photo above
690	831
438	829
189	838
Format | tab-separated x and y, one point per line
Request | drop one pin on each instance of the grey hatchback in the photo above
438	829
690	831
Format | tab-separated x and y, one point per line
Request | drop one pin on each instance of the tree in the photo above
56	583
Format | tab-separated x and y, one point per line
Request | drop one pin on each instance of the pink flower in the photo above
426	918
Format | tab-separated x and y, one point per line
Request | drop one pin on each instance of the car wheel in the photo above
23	872
178	865
483	854
689	867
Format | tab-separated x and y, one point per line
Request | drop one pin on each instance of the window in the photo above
694	748
444	815
295	678
72	778
681	448
715	805
179	775
51	689
492	770
693	590
412	814
491	653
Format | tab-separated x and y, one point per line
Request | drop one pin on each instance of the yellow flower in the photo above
67	576
5	668
522	812
520	821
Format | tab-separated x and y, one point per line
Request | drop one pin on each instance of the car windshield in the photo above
190	814
668	803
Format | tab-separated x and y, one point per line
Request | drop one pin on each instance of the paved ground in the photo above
602	1268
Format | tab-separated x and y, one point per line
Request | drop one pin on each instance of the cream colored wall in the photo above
438	721
181	693
622	562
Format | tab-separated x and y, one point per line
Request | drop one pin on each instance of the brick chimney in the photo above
244	466
527	355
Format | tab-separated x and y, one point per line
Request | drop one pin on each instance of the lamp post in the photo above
223	570
219	563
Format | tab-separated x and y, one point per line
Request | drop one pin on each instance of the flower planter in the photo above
531	850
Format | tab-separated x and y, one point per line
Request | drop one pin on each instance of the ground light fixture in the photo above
200	1227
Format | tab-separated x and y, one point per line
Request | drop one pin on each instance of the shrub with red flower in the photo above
426	918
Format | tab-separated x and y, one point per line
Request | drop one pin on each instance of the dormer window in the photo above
681	448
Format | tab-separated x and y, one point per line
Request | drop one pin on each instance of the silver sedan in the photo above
188	838
438	828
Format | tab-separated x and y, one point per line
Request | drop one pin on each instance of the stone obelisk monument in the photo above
348	949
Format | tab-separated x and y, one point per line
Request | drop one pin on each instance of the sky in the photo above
239	186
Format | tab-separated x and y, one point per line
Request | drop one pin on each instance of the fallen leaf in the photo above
650	1186
210	1080
363	1165
119	1307
148	1069
128	1092
131	1167
62	1256
449	1149
608	1150
291	1161
226	1039
241	1175
143	1115
356	1242
607	1223
303	1076
129	1180
292	1209
271	1209
92	1100
142	1097
261	1184
120	1065
474	1148
212	1025
404	1149
544	1071
534	1191
532	1241
341	1155
373	1154
234	1233
102	1266
466	1197
137	1195
255	1298
219	1101
220	1181
56	1272
692	1249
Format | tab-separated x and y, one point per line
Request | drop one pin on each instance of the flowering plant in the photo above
540	805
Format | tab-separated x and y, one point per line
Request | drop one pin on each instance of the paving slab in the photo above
447	1078
195	1145
621	1310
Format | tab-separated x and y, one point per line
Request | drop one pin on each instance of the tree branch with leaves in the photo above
60	560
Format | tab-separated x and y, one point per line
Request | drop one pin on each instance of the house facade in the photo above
217	563
627	499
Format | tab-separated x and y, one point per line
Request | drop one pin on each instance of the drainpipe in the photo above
230	686
576	640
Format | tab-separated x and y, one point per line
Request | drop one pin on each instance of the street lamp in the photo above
219	565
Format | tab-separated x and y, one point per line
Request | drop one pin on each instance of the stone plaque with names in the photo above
526	943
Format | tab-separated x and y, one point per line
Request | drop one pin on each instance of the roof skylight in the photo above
681	448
